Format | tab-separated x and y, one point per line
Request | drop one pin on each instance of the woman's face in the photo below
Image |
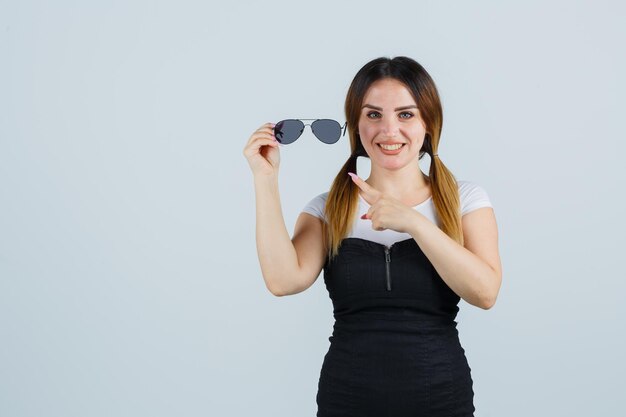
389	116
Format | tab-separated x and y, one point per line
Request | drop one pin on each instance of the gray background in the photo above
129	280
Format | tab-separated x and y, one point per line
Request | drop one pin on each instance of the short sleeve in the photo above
472	197
316	206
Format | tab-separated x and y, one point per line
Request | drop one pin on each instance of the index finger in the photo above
371	194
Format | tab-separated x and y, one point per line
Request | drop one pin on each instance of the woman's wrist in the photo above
264	180
416	224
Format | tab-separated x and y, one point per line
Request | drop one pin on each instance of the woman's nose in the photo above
390	127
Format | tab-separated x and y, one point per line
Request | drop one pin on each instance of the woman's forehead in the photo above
388	91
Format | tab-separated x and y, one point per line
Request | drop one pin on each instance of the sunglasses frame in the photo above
344	128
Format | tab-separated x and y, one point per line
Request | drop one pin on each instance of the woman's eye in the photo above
373	113
409	115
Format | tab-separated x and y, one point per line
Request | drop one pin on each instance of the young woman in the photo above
398	249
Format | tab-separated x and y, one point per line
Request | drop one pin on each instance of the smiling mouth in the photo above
391	147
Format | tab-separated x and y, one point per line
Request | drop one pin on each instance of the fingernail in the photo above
351	174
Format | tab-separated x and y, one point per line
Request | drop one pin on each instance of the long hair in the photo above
343	197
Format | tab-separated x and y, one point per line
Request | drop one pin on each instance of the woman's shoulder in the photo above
465	185
316	205
472	195
319	199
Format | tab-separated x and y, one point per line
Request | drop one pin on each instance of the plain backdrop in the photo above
129	279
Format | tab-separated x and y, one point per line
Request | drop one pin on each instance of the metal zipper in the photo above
387	262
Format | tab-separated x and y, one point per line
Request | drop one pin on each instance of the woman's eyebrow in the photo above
413	106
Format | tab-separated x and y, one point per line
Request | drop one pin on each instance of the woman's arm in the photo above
289	266
277	255
473	272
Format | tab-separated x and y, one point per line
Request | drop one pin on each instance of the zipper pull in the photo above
387	262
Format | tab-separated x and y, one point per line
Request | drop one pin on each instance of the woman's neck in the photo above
409	185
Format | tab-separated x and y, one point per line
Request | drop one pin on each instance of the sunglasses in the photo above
326	130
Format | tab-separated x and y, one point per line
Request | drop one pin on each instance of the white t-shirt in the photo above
472	197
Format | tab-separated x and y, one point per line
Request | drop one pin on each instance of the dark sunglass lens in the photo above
326	130
287	131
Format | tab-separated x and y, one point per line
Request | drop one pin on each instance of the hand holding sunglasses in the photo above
326	130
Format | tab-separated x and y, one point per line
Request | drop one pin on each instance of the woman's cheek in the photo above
366	132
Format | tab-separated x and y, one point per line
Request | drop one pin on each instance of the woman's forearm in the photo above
466	274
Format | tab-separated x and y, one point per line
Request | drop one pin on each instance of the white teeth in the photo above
391	147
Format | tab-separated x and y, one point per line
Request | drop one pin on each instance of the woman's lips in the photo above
388	152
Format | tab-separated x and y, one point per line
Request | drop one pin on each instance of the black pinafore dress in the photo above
394	349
